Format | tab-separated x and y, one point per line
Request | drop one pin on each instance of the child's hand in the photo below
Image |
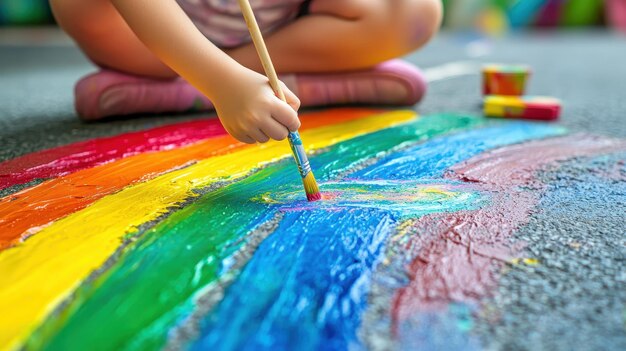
251	112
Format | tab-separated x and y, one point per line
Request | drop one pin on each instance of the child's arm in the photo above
243	99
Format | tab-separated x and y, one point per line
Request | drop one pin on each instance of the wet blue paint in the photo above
305	287
431	159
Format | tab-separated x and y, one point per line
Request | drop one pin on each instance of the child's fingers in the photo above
285	115
259	136
241	136
292	99
246	139
274	130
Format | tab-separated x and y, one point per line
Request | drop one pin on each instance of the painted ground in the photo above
179	237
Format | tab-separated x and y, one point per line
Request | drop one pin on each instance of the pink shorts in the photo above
221	21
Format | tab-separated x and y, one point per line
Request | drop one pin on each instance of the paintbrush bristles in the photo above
311	188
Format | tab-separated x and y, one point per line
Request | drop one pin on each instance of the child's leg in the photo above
338	44
336	36
347	35
145	84
106	39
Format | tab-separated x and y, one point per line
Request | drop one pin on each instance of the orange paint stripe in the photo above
25	213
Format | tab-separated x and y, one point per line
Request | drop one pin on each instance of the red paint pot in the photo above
505	79
616	14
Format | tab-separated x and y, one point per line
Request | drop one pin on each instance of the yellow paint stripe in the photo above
37	275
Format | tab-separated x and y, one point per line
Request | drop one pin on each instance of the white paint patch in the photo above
451	70
479	48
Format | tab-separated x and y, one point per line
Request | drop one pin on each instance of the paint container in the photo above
526	107
616	14
505	79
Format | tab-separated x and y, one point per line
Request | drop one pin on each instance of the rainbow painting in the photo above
179	237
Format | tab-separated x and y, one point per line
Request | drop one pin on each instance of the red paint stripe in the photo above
70	158
458	256
25	213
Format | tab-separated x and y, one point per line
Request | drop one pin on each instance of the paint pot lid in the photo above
505	100
506	68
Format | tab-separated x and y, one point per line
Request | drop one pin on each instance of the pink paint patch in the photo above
456	252
458	256
516	165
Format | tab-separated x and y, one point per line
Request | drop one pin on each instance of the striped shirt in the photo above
221	21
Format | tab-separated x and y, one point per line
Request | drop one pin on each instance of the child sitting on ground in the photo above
180	55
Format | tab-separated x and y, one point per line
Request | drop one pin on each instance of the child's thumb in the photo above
286	115
292	99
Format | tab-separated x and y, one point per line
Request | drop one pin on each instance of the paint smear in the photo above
66	252
25	213
458	256
188	251
405	198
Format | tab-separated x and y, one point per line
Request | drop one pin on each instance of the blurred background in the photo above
493	17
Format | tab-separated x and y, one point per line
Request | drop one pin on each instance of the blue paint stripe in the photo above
305	286
433	158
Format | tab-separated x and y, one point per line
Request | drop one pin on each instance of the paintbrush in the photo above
310	184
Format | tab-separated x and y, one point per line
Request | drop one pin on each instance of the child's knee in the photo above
421	20
66	16
63	12
82	18
401	26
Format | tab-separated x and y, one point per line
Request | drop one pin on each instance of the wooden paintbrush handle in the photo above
261	48
310	185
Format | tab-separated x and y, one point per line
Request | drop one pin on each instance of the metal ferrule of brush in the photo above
299	154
